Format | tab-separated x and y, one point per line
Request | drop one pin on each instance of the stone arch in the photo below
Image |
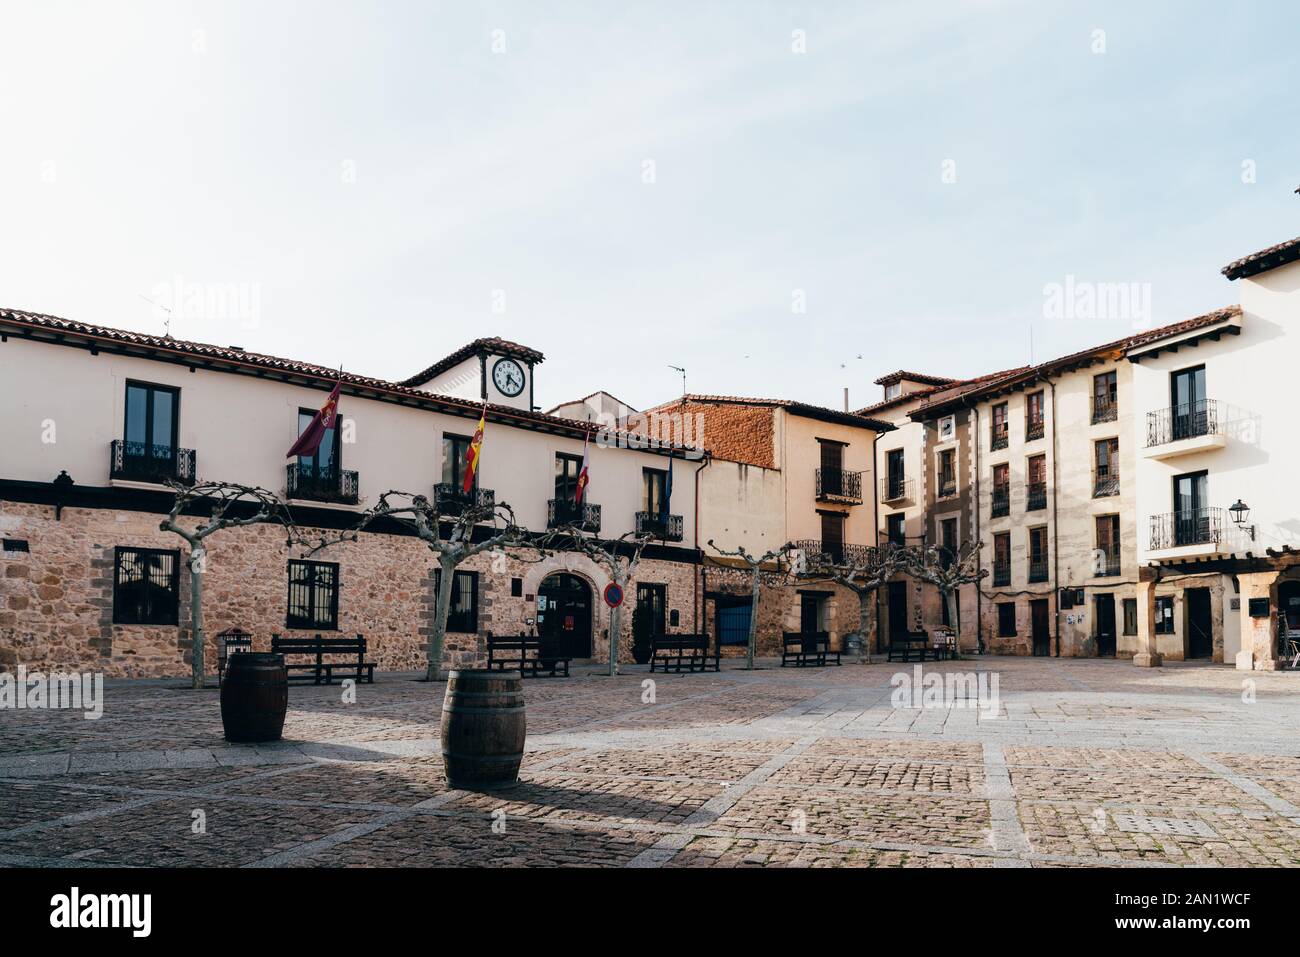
572	563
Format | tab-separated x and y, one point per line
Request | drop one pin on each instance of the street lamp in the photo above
1240	512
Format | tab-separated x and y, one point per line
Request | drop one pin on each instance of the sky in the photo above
785	199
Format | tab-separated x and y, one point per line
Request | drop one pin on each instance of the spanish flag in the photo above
583	478
475	452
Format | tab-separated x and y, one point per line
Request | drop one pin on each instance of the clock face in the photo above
508	377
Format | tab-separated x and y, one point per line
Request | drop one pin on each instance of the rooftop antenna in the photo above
167	323
1031	342
683	372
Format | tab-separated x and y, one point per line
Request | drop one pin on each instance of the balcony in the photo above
1104	410
1001	501
895	489
833	553
331	486
1106	563
138	462
451	499
947	487
838	485
1033	429
999	438
1184	429
1001	573
1191	532
1105	481
659	525
1037	570
1036	496
562	511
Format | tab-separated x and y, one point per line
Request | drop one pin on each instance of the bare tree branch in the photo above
947	572
755	564
863	572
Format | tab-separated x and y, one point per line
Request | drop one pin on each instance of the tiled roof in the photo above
1264	260
921	377
973	387
790	405
53	328
491	344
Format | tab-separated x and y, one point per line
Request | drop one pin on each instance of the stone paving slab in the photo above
771	768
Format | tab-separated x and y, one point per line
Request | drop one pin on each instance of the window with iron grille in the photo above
947	473
1165	615
1033	416
146	586
313	595
1006	619
462	613
999	427
1105	397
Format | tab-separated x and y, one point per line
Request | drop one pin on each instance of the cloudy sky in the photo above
784	198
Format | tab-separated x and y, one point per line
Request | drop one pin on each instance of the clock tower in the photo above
494	369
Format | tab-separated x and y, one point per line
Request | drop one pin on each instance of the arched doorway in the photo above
564	615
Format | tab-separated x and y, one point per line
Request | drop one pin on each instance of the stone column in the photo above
1147	656
1258	635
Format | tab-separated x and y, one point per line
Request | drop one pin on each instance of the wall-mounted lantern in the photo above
1240	513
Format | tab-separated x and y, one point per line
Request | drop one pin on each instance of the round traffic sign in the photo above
613	595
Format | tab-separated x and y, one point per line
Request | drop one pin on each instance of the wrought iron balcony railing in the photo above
1106	563
1038	569
1180	422
563	511
833	553
660	525
1001	574
450	498
1035	496
1106	481
1104	410
896	488
1199	526
947	486
309	484
139	462
1001	501
999	438
1033	429
839	485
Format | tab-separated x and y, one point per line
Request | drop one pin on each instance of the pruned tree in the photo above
754	564
217	499
947	572
864	572
619	557
450	537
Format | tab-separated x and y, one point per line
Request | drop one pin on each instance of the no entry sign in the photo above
613	595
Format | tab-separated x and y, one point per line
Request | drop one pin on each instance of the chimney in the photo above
846	398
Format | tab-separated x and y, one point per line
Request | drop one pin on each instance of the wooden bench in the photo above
509	653
911	643
320	671
689	652
807	649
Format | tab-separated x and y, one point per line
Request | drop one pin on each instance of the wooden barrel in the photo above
254	697
483	729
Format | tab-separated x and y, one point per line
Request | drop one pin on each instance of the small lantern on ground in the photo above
231	641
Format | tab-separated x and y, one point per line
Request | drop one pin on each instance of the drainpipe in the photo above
875	528
1056	542
697	609
979	597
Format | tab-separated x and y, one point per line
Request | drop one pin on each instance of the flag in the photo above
583	478
475	452
312	436
666	503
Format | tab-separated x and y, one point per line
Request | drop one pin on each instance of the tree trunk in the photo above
446	581
753	620
865	600
197	559
950	600
615	622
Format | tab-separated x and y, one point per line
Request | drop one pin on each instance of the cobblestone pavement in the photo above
1084	762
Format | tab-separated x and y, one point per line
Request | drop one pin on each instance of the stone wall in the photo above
56	601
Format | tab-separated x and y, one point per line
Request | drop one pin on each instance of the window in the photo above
455	456
1033	416
947	473
313	595
832	467
1130	616
1006	619
999	435
327	461
1105	397
813	613
16	545
516	588
1193	523
1165	615
896	528
1038	554
947	428
654	597
1105	468
146	586
948	540
567	468
1002	559
1036	492
833	535
1107	555
1001	490
462	614
654	491
151	420
896	475
1187	396
893	390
